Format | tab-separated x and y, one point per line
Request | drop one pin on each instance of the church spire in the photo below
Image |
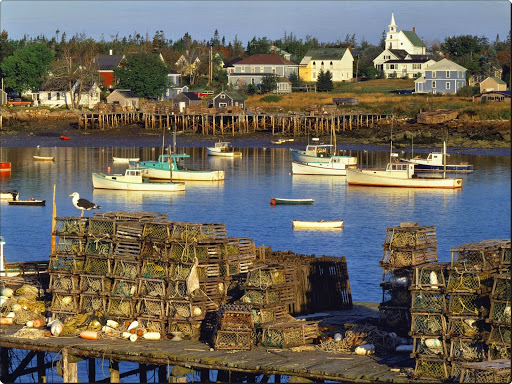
392	26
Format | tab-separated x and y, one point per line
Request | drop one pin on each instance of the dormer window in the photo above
314	63
322	63
331	64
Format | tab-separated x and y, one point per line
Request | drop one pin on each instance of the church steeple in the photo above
392	26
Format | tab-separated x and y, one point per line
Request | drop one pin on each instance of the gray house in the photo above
228	99
124	97
445	76
186	99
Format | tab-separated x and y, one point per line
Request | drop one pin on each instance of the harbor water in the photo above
481	210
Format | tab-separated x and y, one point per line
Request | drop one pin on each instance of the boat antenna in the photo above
391	140
412	146
163	140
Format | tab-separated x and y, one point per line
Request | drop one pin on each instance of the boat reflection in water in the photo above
134	200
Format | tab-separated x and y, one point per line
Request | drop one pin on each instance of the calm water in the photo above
481	210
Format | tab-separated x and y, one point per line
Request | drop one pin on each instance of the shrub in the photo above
271	98
252	89
468	91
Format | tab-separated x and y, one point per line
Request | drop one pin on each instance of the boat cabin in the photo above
403	170
319	150
130	175
435	158
223	146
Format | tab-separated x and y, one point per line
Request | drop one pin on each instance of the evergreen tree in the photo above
324	81
268	83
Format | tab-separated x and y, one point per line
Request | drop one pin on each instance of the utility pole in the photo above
357	67
210	67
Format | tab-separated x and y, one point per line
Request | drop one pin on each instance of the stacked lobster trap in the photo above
405	247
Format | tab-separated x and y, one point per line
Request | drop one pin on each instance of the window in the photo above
58	95
433	84
313	75
447	85
221	105
252	81
273	69
447	74
49	95
322	64
252	69
314	64
223	96
416	66
331	64
433	74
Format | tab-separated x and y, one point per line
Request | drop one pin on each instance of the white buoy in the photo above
365	349
134	324
433	280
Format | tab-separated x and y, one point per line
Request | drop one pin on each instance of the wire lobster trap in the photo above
152	288
500	312
430	276
159	231
240	339
431	301
497	371
131	216
126	268
234	317
151	307
186	310
151	250
399	277
191	330
398	318
481	256
501	287
274	314
289	334
432	367
121	306
66	264
73	246
128	248
464	327
263	297
154	269
64	302
125	288
103	247
428	346
398	257
180	271
499	335
410	235
70	226
100	227
183	253
236	267
505	254
469	281
131	230
497	352
396	296
266	276
64	283
428	324
151	324
463	304
198	232
212	288
97	265
92	303
237	248
467	350
95	284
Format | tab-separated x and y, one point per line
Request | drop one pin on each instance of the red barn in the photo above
106	65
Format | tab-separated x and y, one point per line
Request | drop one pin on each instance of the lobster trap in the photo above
70	226
430	276
151	307
501	287
103	247
500	312
396	296
126	268
235	267
64	302
425	346
431	367
469	281
197	232
186	310
157	231
154	251
274	314
213	288
235	316
240	339
191	330
267	276
428	301
92	303
66	264
289	334
127	248
428	324
497	371
399	277
482	256
398	258
95	284
154	269
463	304
64	283
97	265
101	227
467	350
398	318
125	288
184	253
71	245
151	324
237	248
499	335
497	352
131	230
120	306
261	298
153	288
464	327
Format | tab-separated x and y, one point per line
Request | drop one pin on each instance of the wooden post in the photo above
162	374
143	376
92	370
69	370
114	372
41	371
54	224
4	362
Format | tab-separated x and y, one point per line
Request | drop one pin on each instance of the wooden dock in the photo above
173	360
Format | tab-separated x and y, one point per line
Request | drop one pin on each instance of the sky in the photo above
328	21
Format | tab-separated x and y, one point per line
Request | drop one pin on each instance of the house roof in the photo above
232	95
190	95
446	65
413	38
496	79
427	56
128	93
283	80
420	79
265	58
326	53
233	62
407	61
108	62
400	53
55	84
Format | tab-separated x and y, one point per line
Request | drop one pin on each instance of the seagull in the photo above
83	204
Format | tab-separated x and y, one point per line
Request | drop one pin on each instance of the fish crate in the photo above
467	350
289	334
125	268
397	258
64	302
151	324
275	314
157	231
430	276
497	371
198	233
124	288
151	288
151	307
100	247
90	302
237	267
154	251
431	301
103	228
240	339
130	230
191	329
396	296
180	271
70	226
235	316
410	236
266	276
177	289
427	324
237	248
95	284
482	256
264	297
501	287
186	310
398	318
128	248
470	281
428	346
432	367
121	306
500	312
154	269
464	327
73	246
97	265
64	283
499	335
463	304
396	277
497	352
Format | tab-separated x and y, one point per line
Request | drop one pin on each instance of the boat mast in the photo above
444	158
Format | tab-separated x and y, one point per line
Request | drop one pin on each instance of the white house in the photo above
338	61
54	93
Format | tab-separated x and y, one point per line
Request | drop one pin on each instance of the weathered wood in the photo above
69	369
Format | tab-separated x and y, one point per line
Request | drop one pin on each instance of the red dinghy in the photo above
64	137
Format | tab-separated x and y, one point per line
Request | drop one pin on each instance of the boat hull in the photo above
125	159
101	181
380	179
188	175
317	224
8	195
39	203
5	167
213	152
317	168
44	158
301	157
441	168
278	201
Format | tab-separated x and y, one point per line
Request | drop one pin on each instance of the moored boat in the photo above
125	159
5	167
64	137
335	166
279	201
281	141
133	180
33	202
168	167
398	174
313	152
9	195
223	148
317	224
436	162
44	158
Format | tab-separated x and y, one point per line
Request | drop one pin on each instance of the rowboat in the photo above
398	174
64	137
125	159
281	141
168	167
335	166
44	158
436	162
277	200
224	149
317	224
31	202
314	152
8	195
133	180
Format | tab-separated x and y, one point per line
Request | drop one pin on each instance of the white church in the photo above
405	55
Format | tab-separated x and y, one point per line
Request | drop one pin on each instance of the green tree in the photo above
369	72
295	80
6	48
268	83
145	74
26	68
324	81
258	46
252	89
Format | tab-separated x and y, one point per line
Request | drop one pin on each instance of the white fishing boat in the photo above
223	148
317	224
133	180
313	152
436	162
9	195
125	159
281	141
335	166
169	167
44	158
398	174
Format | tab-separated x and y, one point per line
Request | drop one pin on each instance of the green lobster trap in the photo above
274	314
197	232
464	327
151	307
151	324
289	334
64	302
120	306
432	367
399	318
92	303
497	371
501	288
396	296
428	301
428	324
234	317
237	248
103	247
469	281
467	350
97	265
499	335
159	231
70	226
126	268
210	289
191	330
64	283
183	253
236	267
180	271
497	352
154	269
240	339
102	228
154	251
124	288
266	276
74	246
186	310
398	258
95	284
152	288
463	304
481	256
500	312
430	276
399	277
410	235
264	297
428	346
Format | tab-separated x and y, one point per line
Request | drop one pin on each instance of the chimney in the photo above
110	52
447	56
414	29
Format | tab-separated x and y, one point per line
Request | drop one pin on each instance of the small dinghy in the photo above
125	159
317	224
32	201
44	158
64	137
277	200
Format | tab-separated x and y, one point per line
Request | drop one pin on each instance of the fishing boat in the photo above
125	159
5	167
223	148
281	141
335	166
169	167
436	162
398	174
313	152
279	201
44	158
64	137
9	195
133	180
317	224
30	202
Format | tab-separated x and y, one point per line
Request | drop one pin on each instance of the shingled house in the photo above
106	65
124	97
228	99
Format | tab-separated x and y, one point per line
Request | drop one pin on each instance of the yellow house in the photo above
338	61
